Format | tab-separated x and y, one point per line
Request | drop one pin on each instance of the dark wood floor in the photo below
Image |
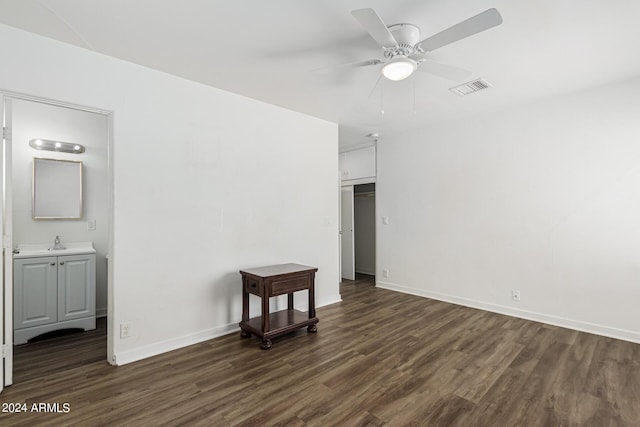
379	358
59	351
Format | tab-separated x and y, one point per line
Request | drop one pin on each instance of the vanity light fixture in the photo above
64	147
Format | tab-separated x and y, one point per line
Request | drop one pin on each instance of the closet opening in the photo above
358	232
364	225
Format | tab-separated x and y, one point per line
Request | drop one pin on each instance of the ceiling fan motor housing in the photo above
407	36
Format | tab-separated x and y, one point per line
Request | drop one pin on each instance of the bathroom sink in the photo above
45	249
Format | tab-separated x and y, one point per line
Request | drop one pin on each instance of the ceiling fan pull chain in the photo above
414	94
374	87
382	99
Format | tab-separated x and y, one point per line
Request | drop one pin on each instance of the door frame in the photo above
6	266
350	272
6	270
353	183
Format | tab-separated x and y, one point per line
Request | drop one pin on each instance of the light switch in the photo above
385	220
91	225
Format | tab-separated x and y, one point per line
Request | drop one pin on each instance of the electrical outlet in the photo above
125	330
385	273
91	225
515	294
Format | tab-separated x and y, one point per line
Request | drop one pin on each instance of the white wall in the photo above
32	120
205	183
542	198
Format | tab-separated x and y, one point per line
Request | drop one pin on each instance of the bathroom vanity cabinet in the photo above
53	292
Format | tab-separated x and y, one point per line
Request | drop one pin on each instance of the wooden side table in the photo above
271	281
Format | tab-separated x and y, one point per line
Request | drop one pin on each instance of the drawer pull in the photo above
53	263
61	262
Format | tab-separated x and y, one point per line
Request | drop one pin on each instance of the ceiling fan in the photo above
405	53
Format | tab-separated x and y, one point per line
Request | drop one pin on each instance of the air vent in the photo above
470	87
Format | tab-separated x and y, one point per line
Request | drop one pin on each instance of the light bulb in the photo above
399	68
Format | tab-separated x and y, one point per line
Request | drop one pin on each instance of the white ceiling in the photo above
267	50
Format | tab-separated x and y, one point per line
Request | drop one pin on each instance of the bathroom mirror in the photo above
57	189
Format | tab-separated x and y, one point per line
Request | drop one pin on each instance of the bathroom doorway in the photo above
28	119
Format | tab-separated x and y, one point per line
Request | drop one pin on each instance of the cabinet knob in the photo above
53	263
61	262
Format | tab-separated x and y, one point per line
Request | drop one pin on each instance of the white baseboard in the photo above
133	355
563	322
371	272
333	299
101	312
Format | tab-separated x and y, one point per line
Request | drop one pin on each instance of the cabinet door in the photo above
35	292
76	286
358	164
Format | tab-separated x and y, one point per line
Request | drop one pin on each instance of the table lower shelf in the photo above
280	323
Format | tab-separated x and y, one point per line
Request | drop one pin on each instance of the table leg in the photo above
312	297
265	344
312	303
245	307
245	300
265	313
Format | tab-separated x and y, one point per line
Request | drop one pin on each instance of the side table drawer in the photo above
254	287
290	284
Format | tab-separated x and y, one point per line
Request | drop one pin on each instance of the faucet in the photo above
56	244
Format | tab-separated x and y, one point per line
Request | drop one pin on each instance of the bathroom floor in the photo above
60	351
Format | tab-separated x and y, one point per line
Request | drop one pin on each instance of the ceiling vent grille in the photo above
471	87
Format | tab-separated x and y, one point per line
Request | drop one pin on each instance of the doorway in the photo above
364	223
358	230
29	118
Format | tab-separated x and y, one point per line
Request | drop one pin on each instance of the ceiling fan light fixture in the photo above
399	68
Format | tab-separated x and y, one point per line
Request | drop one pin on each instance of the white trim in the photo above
7	239
111	322
49	101
129	356
366	271
109	114
592	328
358	146
358	181
328	301
161	347
101	312
304	304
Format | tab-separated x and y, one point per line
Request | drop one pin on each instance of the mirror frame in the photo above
61	187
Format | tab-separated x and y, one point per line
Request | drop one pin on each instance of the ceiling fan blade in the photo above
448	72
372	22
476	24
355	64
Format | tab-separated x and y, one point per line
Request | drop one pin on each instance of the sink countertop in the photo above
44	249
